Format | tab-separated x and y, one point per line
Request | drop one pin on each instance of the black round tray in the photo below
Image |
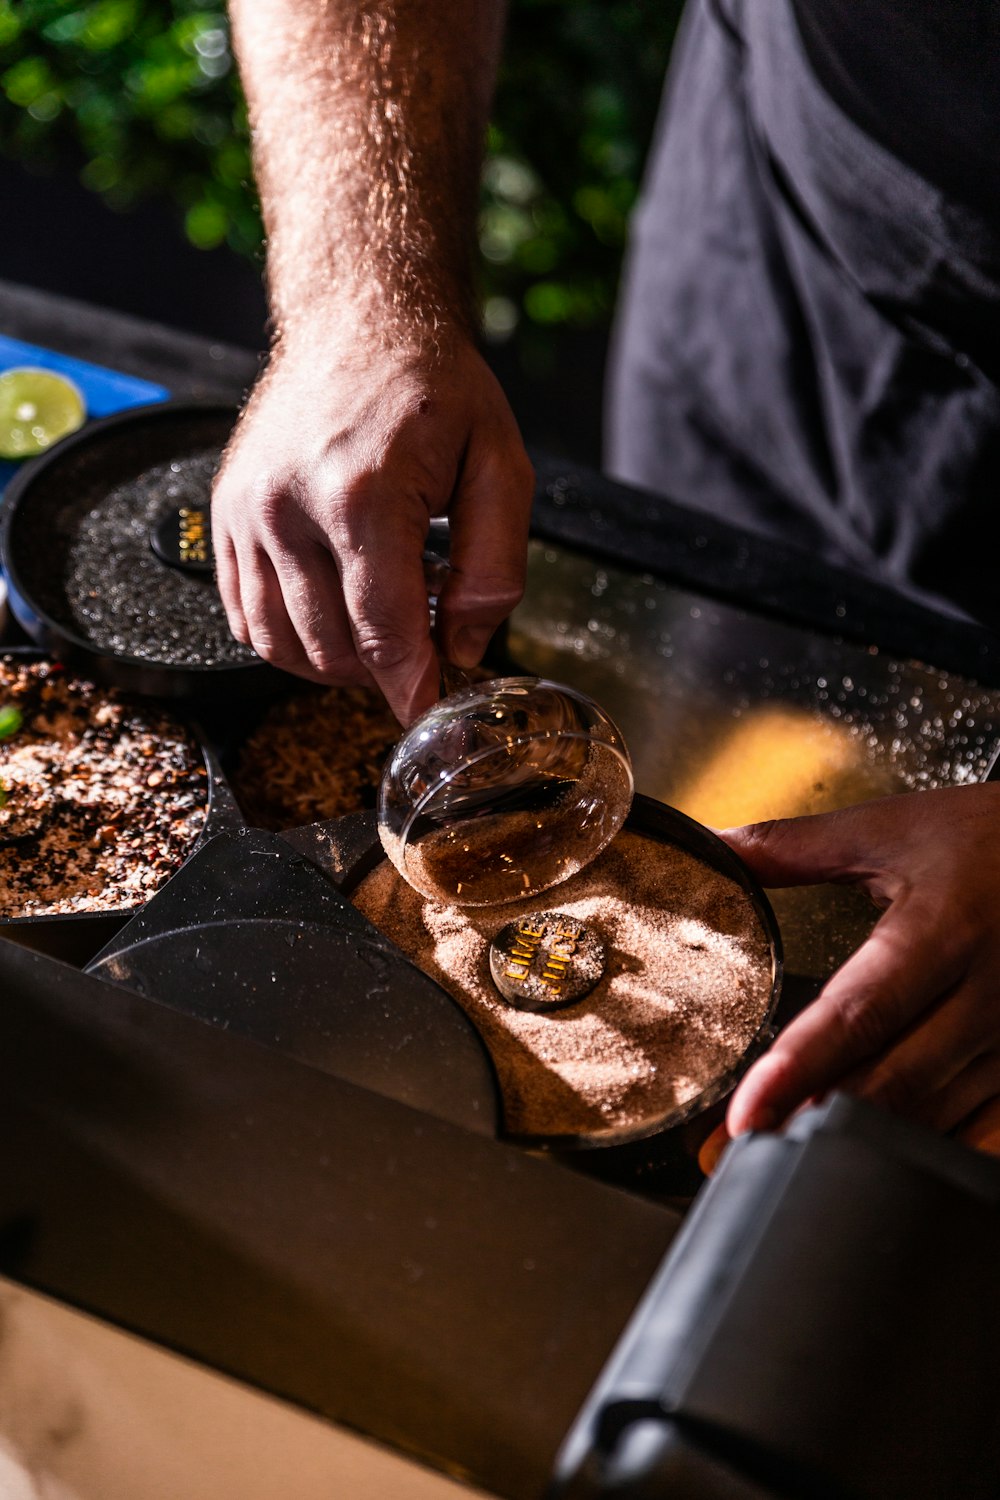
76	936
656	1146
51	492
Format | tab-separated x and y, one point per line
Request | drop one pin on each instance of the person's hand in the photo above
912	1020
320	513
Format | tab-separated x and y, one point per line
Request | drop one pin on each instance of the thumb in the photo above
845	846
489	518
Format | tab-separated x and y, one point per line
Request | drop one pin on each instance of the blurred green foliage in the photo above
575	108
142	96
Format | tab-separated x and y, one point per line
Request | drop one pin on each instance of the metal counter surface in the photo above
736	717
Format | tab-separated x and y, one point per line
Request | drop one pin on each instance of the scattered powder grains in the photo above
104	798
686	988
122	598
317	754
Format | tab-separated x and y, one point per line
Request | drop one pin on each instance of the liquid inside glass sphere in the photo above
503	789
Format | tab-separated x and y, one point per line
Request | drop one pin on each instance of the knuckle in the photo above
425	466
761	837
347	512
382	651
276	649
356	490
258	506
281	656
337	667
505	592
511	597
488	598
269	501
489	594
863	1014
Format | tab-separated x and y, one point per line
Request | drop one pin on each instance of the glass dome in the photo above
503	789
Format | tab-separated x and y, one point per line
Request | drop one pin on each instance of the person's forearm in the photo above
376	410
368	120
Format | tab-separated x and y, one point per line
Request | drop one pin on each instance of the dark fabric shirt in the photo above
922	77
808	337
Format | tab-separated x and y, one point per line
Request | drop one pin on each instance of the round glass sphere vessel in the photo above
503	789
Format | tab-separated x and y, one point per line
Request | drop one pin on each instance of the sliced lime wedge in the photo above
37	407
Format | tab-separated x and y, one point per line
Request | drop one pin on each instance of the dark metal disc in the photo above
546	960
183	539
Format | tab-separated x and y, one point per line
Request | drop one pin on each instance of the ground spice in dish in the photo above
316	755
686	988
104	798
122	598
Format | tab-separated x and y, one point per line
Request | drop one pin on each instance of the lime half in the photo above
37	408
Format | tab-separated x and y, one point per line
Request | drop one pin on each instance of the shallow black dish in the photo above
76	936
659	1154
45	502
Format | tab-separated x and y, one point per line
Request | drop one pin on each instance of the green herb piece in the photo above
10	721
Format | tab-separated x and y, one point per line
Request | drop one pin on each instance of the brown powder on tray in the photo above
104	798
686	987
316	755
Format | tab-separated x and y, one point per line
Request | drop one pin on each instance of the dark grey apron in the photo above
808	339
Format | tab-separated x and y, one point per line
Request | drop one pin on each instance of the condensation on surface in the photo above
733	717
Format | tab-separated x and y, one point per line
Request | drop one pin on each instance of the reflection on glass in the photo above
503	789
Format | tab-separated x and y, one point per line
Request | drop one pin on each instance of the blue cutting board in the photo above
104	391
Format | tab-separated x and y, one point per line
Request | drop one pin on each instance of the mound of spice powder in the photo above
686	988
104	798
117	593
316	754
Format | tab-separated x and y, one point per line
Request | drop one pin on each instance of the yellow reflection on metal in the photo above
778	761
